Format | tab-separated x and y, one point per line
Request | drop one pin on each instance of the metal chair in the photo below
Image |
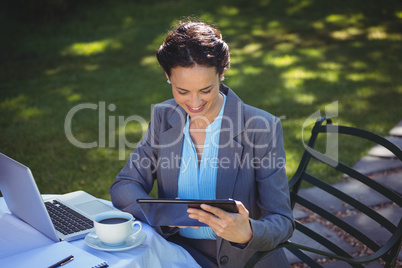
387	252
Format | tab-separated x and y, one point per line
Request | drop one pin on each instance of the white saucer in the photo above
93	241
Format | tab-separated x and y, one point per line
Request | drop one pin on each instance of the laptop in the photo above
64	217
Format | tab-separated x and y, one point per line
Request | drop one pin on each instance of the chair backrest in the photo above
355	200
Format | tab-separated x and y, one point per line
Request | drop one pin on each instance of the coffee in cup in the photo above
113	228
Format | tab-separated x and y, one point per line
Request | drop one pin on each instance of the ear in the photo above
222	75
167	77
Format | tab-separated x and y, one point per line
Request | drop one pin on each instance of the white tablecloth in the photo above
16	236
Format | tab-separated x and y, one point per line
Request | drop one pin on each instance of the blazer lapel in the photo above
230	153
170	152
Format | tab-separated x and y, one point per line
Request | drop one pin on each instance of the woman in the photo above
205	143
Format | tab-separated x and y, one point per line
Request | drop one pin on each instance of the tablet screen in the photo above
173	212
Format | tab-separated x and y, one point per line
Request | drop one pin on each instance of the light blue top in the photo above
199	181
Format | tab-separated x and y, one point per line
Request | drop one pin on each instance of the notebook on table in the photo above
49	255
65	217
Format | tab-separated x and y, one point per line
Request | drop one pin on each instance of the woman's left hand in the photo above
234	227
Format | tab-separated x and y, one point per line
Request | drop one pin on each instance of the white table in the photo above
16	236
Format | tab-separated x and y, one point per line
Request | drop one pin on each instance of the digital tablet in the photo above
173	212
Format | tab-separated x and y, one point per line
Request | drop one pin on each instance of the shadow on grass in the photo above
291	58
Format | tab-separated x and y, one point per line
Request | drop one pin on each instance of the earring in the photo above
168	81
222	78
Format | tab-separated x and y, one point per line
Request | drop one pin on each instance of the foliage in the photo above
291	58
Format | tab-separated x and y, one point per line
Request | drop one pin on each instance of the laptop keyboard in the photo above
66	220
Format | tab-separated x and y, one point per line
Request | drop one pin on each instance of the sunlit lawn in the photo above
291	58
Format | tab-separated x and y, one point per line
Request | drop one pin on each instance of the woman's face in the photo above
196	90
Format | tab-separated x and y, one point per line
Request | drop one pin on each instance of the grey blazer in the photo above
251	169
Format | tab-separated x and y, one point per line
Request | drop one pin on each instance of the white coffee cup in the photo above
115	227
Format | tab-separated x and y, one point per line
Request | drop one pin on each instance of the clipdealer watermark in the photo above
271	161
331	154
106	125
110	123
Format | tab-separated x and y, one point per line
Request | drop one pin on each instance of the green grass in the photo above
291	58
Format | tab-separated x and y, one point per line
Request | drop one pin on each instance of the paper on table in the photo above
17	236
51	254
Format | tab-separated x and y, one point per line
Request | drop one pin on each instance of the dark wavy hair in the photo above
194	43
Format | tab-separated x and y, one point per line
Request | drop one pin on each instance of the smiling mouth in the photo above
196	110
